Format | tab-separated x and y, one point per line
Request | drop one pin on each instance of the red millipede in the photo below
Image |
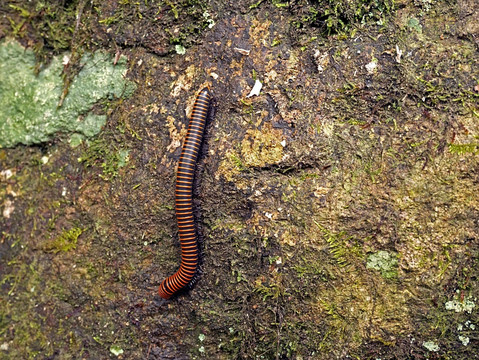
187	230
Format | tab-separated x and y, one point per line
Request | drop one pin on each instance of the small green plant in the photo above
110	160
343	248
237	161
65	242
461	149
272	290
343	16
337	249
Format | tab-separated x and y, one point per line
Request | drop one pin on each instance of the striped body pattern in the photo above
184	199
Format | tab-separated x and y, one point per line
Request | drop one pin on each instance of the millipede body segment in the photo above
188	233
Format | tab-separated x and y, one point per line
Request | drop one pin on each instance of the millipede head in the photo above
205	91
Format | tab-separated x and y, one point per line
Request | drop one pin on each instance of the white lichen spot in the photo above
283	143
464	340
385	262
371	67
8	209
38	112
208	19
256	89
116	350
6	174
66	59
431	345
466	305
75	140
180	49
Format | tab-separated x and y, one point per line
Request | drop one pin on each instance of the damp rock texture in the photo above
336	193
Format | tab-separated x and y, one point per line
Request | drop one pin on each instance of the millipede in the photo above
187	229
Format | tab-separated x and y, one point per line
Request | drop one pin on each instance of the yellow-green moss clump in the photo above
66	241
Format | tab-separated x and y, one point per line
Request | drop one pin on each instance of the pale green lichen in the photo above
180	49
466	305
30	103
414	23
385	262
208	19
431	345
116	350
464	339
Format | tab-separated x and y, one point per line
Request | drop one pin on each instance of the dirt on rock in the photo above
339	207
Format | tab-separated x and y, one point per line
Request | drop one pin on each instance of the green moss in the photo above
31	113
111	159
340	248
18	309
272	289
343	248
171	23
385	262
49	25
66	241
431	345
464	148
342	16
